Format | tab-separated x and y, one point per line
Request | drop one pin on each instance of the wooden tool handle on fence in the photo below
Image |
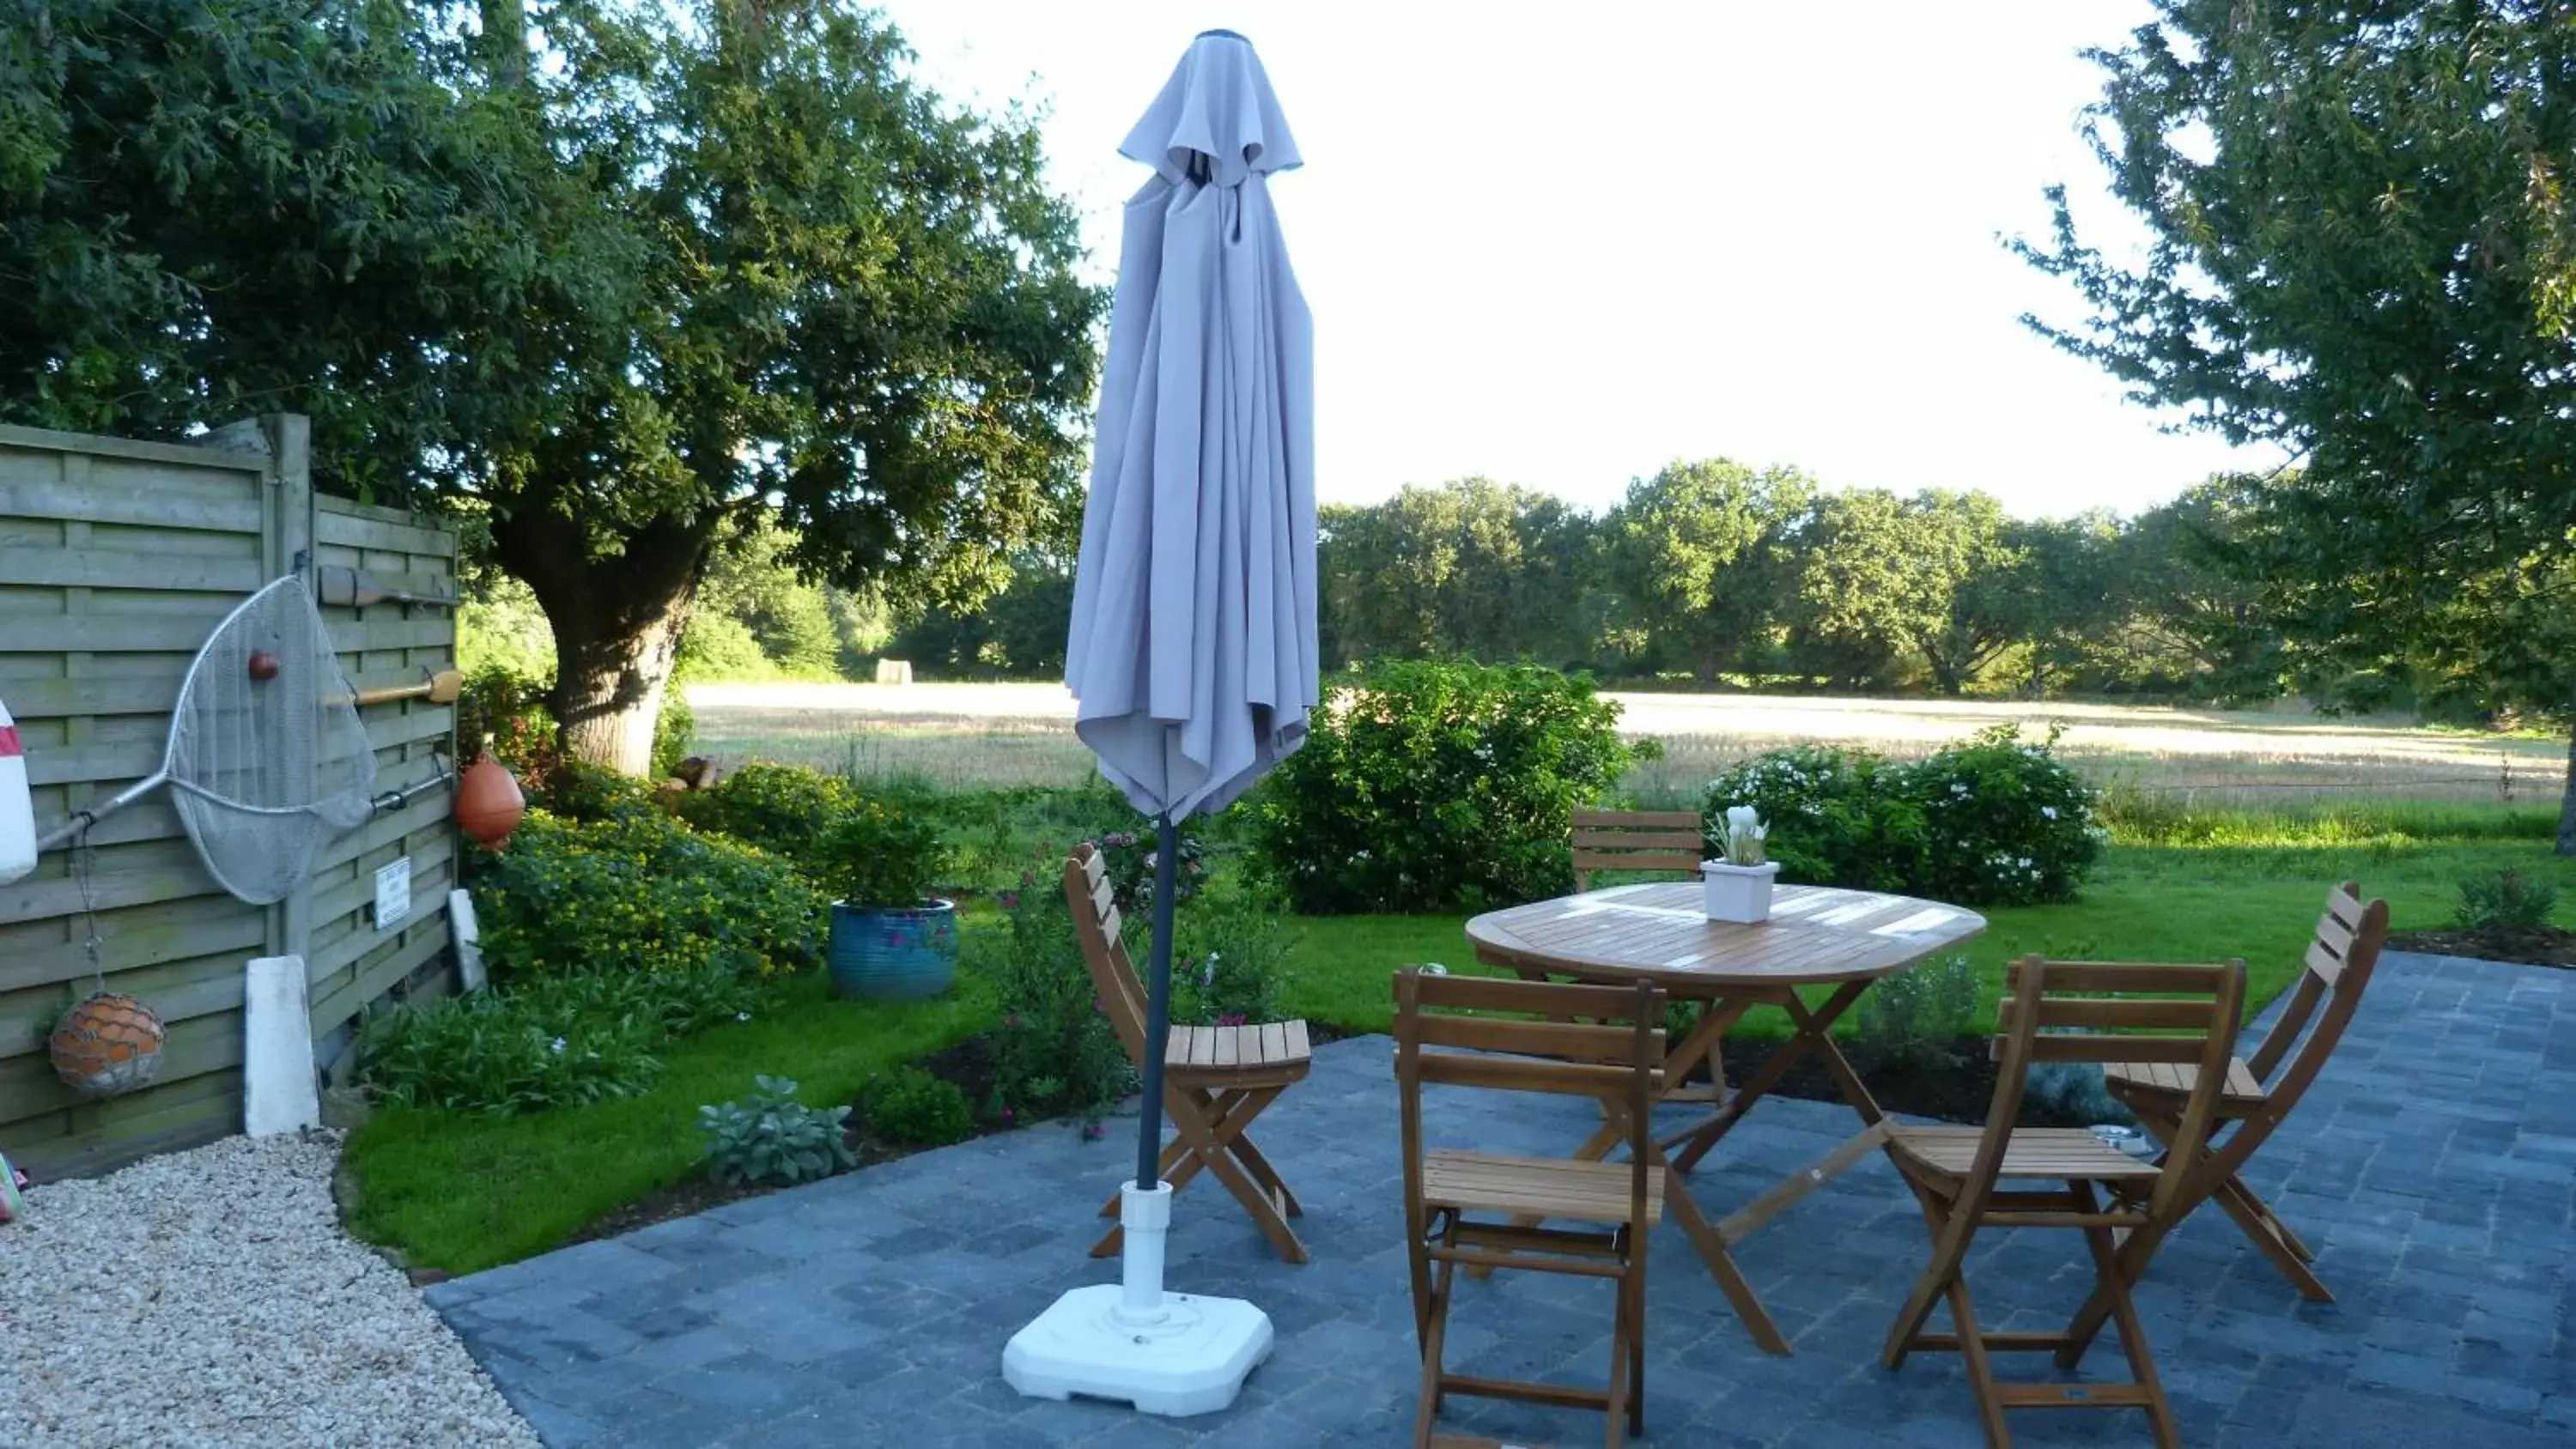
440	688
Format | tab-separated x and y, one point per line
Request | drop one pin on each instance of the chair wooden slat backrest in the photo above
1636	840
1104	947
2052	1012
1614	1054
2339	964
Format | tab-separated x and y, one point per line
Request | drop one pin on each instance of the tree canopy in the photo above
2363	249
709	266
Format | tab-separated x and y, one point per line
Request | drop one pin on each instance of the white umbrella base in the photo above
1165	1353
1193	1362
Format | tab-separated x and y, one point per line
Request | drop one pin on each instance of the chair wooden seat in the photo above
2262	1090
2061	1011
1544	1187
2241	1096
1208	1055
2053	1152
1216	1079
1470	1210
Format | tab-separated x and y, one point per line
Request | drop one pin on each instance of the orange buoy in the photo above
488	803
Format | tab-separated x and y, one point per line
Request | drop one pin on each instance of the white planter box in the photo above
1740	893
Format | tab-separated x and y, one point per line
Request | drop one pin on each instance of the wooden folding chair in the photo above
1636	840
2260	1093
1602	1042
1957	1172
1216	1079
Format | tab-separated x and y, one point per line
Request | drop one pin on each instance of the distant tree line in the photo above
1718	573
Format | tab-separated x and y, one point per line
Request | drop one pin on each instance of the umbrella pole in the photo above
1145	1210
1158	1005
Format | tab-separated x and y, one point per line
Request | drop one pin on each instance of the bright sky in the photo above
1562	244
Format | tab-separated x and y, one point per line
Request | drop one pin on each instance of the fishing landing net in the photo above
268	759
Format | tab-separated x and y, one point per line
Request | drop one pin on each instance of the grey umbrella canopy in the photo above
1192	649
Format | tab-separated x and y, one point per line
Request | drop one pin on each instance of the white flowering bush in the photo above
1994	821
1829	817
2009	823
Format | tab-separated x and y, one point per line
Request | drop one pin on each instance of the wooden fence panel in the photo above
117	558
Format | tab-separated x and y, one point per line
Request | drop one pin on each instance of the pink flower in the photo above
1097	1009
1012	1021
1010	900
1008	1116
1093	1131
1230	1019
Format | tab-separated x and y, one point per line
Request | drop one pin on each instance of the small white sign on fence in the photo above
393	894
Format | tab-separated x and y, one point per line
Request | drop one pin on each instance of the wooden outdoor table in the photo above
1816	937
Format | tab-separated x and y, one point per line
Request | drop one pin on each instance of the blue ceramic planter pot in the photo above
893	955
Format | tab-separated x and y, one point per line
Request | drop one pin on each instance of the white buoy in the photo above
17	811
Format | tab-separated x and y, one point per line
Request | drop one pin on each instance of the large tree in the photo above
2364	249
1474	567
705	266
1930	578
211	208
855	310
1703	555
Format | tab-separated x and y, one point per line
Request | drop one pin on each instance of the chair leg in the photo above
2254	1217
1435	1330
1263	1173
1636	1309
2114	1281
1929	1288
1981	1368
2270	1236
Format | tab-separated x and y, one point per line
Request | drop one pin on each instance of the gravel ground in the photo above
209	1298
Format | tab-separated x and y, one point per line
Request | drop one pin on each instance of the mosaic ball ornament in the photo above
109	1043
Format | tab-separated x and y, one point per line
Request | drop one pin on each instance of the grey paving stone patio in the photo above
2433	1168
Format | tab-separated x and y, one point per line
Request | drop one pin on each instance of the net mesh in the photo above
268	759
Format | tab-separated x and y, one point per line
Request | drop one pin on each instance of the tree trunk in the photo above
2567	802
617	622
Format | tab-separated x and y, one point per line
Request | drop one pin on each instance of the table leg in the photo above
1811	1035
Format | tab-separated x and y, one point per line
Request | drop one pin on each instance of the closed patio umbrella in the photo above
1192	650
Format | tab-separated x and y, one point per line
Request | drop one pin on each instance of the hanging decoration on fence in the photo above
488	803
107	1043
267	758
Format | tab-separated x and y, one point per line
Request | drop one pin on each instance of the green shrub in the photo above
913	1107
1993	821
784	809
880	854
509	707
1229	962
583	1036
1128	855
501	1053
2007	822
1833	816
2505	901
578	790
641	893
1429	787
773	1138
1055	1053
675	732
1915	1018
2073	1092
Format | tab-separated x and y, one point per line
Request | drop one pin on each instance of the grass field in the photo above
980	735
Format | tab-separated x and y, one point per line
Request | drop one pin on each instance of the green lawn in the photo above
468	1192
2144	903
464	1192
